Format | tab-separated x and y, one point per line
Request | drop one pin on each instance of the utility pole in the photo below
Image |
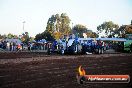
23	25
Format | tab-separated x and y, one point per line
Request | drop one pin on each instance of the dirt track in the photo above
43	71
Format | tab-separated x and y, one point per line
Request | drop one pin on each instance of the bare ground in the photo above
37	70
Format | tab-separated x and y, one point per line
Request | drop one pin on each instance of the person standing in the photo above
29	46
14	46
10	46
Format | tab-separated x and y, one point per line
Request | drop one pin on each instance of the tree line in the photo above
59	25
111	29
25	38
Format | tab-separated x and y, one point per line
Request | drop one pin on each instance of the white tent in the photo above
17	41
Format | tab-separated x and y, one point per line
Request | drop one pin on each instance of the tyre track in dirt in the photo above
61	72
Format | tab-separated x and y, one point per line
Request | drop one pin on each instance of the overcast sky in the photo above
35	13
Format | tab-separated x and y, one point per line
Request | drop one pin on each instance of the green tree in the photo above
123	30
79	29
47	36
11	36
65	24
108	28
50	24
44	35
58	24
38	37
92	34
